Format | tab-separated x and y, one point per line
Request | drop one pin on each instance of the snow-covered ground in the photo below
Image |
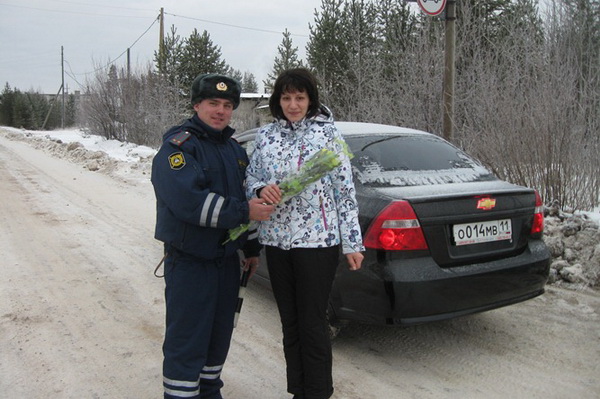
82	316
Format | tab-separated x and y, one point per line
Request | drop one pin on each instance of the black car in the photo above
444	236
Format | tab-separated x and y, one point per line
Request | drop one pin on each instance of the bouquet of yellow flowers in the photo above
317	166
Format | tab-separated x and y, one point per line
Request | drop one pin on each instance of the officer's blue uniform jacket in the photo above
198	177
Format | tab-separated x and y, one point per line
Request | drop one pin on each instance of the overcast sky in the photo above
93	33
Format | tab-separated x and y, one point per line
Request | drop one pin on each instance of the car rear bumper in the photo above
413	291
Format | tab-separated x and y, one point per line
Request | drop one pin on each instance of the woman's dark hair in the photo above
295	79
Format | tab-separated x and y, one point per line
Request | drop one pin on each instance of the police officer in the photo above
198	176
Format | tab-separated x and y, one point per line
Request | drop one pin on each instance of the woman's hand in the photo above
354	260
271	194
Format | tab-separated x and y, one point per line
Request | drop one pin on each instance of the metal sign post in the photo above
448	121
433	8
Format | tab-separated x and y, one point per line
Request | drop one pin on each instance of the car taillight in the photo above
396	228
537	228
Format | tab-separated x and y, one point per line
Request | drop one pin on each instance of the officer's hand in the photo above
258	210
250	264
271	194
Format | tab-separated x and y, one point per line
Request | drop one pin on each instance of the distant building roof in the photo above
257	96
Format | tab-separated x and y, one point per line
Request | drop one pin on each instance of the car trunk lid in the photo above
462	222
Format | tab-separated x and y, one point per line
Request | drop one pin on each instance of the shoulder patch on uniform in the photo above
180	138
176	160
242	163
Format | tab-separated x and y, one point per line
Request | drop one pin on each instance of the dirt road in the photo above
81	314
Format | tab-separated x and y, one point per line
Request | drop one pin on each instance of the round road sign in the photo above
432	7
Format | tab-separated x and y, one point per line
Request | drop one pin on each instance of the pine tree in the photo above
249	84
344	50
199	55
326	46
170	64
7	99
184	59
235	74
287	58
397	26
70	111
21	112
247	80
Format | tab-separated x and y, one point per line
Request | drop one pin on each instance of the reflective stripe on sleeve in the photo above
216	212
253	234
208	219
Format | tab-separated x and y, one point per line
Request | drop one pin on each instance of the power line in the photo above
120	55
233	26
72	75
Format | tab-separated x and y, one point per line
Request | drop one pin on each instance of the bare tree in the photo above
137	108
525	112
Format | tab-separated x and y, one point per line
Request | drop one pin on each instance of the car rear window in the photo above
412	160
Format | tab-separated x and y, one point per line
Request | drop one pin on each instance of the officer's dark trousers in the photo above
201	298
301	279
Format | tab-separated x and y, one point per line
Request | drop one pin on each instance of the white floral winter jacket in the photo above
325	213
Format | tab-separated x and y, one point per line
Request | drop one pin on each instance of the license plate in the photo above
475	233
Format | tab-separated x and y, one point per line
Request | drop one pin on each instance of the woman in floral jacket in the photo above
303	236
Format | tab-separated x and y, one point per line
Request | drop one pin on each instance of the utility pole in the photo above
128	62
448	96
62	64
54	100
161	42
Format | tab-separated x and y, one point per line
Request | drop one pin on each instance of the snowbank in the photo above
574	242
124	160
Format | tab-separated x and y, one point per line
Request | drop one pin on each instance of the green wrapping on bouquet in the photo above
316	167
235	233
